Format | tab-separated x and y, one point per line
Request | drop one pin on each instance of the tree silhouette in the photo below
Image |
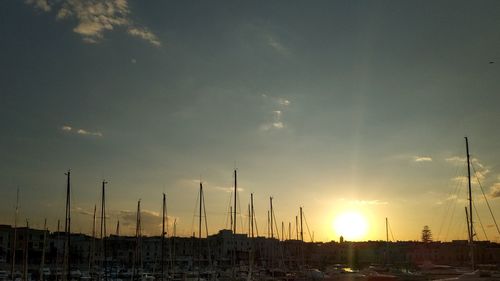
426	234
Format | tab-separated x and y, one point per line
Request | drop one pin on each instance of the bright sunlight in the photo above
351	225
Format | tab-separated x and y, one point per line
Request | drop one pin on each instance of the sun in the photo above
350	225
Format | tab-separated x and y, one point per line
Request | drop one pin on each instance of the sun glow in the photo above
350	225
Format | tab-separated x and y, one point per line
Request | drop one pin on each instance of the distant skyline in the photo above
336	106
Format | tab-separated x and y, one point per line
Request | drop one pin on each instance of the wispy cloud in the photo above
456	160
144	33
66	128
83	211
479	169
277	123
279	104
422	159
84	132
368	202
495	190
151	221
188	183
88	133
274	43
228	189
95	17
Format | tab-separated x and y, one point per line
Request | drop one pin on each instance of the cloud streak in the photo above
477	168
95	17
495	190
369	202
144	33
151	221
274	43
83	132
422	159
227	189
279	104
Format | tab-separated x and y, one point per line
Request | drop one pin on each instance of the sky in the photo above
334	106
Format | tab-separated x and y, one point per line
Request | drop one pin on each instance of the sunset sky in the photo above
341	107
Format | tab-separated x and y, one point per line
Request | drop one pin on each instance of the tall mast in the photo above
25	262
58	238
103	227
271	214
138	253
282	231
163	239
42	262
235	194
468	226
471	235
250	233
249	220
251	213
297	227
67	226
289	231
14	248
199	231
301	229
268	223
231	216
234	224
92	245
386	240
386	230
174	233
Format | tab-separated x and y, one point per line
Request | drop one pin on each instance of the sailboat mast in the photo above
271	214
199	231
251	213
249	219
103	227
471	235
468	226
282	231
42	262
163	239
137	253
297	227
58	238
67	227
386	230
289	231
25	263
231	216
15	237
234	224
172	262
301	227
235	194
92	245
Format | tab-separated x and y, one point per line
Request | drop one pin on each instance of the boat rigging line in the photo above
485	198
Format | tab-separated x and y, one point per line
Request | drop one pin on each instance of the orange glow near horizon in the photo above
352	225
